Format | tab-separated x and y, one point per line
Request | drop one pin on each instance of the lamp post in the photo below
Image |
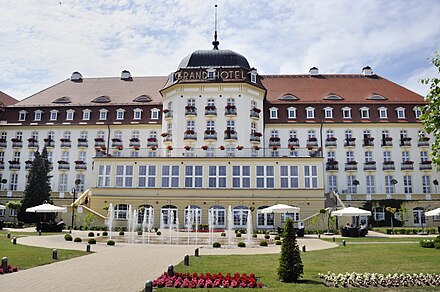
77	182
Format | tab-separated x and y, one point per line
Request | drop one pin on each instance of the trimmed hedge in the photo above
91	234
241	244
263	243
110	242
105	233
92	241
238	234
216	245
427	243
121	233
77	239
68	237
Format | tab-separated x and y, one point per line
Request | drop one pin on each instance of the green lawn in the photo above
379	258
378	239
26	257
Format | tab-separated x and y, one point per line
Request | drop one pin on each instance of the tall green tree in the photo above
37	189
291	267
431	112
14	205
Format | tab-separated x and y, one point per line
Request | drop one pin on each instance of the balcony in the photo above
331	165
370	166
368	142
330	142
293	143
388	165
255	137
83	143
168	114
230	110
426	165
274	142
255	113
387	142
350	142
80	165
167	137
152	142
210	135
405	142
351	166
49	143
2	165
14	165
312	142
210	110
99	142
17	143
230	136
116	142
32	143
190	135
65	143
134	142
63	165
407	165
3	143
423	142
28	164
190	111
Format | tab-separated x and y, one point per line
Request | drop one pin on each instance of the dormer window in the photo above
273	113
210	73
54	115
62	100
383	113
328	113
291	112
86	114
101	99
289	97
120	114
103	114
137	114
377	97
333	96
155	114
365	112
310	112
417	112
70	114
253	75
346	113
400	113
37	115
22	115
142	98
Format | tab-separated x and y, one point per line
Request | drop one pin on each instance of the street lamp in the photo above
77	182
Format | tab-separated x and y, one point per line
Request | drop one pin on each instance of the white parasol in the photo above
350	212
435	212
280	209
46	208
2	207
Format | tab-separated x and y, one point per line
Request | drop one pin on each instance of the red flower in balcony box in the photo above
151	139
426	162
166	110
164	134
256	147
274	147
309	147
189	132
257	110
136	147
388	162
332	162
204	147
221	147
103	147
293	147
187	147
331	139
99	139
239	147
352	162
388	139
169	147
153	148
351	139
408	162
257	134
120	147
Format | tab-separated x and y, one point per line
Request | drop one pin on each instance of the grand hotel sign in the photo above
224	74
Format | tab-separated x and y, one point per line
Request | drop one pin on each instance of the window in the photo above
100	134
292	134
103	114
328	113
230	125
121	211
426	184
264	220
310	112
34	135
417	112
153	134
211	102
137	114
379	213
170	176
332	183
274	133
120	114
293	216
13	182
330	134
407	184
351	184
423	156
211	73
37	115
22	115
389	184
16	156
3	136
117	134
348	134
405	156
82	155
53	115
311	134
387	156
291	113
230	101
66	135
193	176
49	156
365	112
104	172
240	216
265	176
289	177
310	176
253	77
273	113
241	176
86	115
65	156
124	176
331	155
370	184
400	113
134	135
190	125
346	113
2	158
368	156
147	176
70	114
349	156
63	183
383	113
217	176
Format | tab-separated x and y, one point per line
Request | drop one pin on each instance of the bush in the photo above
110	242
158	233
278	242
97	234
238	234
121	233
267	236
223	234
68	237
291	267
216	245
77	239
92	241
254	235
139	232
277	237
437	242
427	243
241	244
263	243
91	234
105	233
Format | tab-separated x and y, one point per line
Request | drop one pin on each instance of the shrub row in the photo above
431	243
405	230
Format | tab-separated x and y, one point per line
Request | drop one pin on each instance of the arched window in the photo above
168	215
218	214
147	212
121	211
264	220
193	216
240	216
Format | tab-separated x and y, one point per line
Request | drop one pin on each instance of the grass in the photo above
379	258
26	257
378	239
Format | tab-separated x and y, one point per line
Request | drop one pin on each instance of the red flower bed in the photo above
181	280
10	269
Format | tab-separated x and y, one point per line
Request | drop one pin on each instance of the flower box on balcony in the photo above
152	140
408	162
99	139
134	140
230	131
350	139
204	147
352	162
388	162
370	163
230	107
406	139
80	162
426	162
221	147
257	147
64	140
32	140
14	162
293	139
239	147
16	140
165	111
312	139
120	147
257	134
274	139
332	162
164	134
331	139
187	147
116	140
169	147
210	107
189	132
388	138
63	162
257	110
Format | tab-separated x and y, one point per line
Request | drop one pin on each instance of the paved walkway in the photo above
123	267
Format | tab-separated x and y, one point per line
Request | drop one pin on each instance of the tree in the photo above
14	205
291	267
37	189
431	112
392	211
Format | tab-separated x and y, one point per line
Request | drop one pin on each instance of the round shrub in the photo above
241	244
254	235
223	234
158	233
92	241
98	234
110	242
77	239
68	237
277	237
216	245
278	242
139	232
105	233
263	243
91	234
238	234
267	236
121	232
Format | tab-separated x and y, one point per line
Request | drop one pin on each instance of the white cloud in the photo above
43	41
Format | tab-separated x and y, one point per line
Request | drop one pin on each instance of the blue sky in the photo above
44	41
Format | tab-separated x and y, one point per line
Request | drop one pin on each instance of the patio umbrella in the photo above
46	208
435	212
350	212
2	207
280	209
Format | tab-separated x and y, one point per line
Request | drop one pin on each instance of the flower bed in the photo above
181	280
9	269
358	280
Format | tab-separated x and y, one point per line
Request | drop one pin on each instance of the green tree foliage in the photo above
431	112
291	267
14	205
37	189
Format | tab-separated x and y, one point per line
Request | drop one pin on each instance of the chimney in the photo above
314	71
76	77
125	75
367	71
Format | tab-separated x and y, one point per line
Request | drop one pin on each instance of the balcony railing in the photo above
230	111
350	142
368	142
274	142
63	165
425	165
387	142
152	142
332	166
3	143
407	165
405	142
2	165
293	143
369	166
14	165
190	111
388	165
66	143
210	136
350	166
255	113
134	142
49	143
424	142
231	136
190	136
210	110
80	165
168	139
83	143
330	143
312	143
32	143
255	138
168	114
17	143
28	165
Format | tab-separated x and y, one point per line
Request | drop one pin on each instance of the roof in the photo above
351	88
6	100
113	88
214	58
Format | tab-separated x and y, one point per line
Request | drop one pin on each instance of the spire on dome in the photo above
215	43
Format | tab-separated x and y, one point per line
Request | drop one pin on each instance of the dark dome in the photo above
214	58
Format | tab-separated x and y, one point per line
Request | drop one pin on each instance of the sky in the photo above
44	41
